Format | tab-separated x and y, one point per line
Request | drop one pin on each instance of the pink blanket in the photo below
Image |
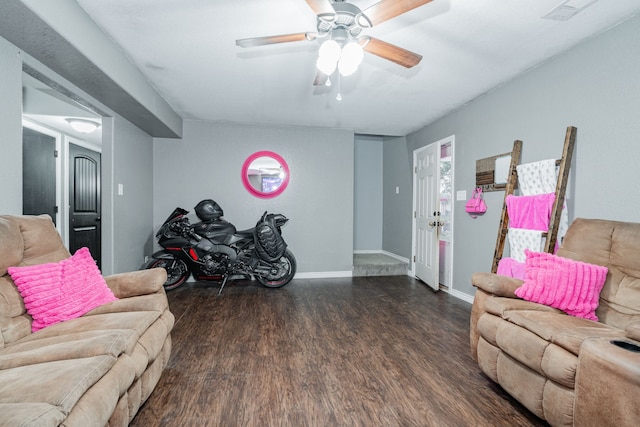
511	268
530	212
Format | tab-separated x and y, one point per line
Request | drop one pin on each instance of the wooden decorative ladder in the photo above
564	164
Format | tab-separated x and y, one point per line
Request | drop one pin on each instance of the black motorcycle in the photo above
213	250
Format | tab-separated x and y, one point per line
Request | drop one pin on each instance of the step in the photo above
378	264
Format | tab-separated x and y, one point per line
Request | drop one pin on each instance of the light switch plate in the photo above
461	195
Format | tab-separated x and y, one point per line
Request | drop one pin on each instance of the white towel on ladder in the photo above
540	178
521	239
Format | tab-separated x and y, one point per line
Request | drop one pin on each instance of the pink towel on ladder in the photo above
511	268
530	212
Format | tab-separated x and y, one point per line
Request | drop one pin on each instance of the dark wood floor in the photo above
366	351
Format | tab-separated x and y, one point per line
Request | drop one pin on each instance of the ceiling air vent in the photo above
568	9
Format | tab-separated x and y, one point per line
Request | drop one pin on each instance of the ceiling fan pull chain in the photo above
339	95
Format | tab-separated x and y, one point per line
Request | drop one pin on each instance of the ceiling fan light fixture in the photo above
83	125
352	56
330	50
328	56
363	21
325	66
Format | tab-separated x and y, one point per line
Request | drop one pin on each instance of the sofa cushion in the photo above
42	242
572	286
137	321
12	247
30	414
15	323
565	331
71	346
613	244
64	290
60	383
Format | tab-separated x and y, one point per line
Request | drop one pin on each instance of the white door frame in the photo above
448	278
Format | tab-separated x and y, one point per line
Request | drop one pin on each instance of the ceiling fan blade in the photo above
321	7
387	9
390	52
283	38
321	79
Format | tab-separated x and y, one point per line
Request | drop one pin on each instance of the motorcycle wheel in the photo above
286	267
177	271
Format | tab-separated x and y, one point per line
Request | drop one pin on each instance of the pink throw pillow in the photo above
59	291
572	286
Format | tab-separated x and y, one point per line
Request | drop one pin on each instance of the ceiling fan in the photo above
340	25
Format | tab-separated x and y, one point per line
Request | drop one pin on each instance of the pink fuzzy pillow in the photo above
59	291
572	286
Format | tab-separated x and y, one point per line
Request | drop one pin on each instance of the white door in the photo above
427	215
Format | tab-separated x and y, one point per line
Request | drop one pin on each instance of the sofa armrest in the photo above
633	330
607	383
494	284
135	283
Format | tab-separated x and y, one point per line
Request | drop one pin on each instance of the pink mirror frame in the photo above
245	174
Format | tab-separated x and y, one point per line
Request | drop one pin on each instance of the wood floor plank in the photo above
365	351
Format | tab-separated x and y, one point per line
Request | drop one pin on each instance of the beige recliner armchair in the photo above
568	370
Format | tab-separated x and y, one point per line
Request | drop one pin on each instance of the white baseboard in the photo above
323	274
461	295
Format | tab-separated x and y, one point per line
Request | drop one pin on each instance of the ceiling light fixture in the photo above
339	26
83	125
341	52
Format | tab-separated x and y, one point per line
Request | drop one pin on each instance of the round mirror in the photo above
265	174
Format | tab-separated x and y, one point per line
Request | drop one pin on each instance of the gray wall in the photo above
10	129
206	163
396	236
367	209
594	87
128	160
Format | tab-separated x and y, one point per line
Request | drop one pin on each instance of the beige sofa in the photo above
95	370
566	369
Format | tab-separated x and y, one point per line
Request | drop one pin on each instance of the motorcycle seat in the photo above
214	229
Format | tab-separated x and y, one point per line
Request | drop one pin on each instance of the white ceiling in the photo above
187	50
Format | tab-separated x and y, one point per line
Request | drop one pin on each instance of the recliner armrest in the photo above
633	330
607	384
136	283
494	284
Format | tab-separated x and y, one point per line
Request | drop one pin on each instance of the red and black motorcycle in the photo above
214	250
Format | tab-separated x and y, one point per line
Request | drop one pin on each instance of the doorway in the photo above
432	229
62	178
